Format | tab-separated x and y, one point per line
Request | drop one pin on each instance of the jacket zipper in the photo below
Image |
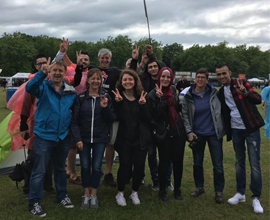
93	116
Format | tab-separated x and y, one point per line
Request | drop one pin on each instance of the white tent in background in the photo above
18	76
255	80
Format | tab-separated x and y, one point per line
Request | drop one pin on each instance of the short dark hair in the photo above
84	52
37	57
203	71
222	65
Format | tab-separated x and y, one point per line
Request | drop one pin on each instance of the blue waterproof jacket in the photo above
53	114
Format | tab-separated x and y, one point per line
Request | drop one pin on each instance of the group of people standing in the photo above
149	116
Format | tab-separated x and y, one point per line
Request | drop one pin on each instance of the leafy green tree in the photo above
16	53
171	55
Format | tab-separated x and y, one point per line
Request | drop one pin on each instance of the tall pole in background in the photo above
145	9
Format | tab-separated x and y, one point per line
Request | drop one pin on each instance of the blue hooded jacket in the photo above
53	114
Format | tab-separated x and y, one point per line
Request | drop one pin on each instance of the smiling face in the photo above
57	73
201	80
224	75
128	82
104	61
165	79
39	62
85	60
94	81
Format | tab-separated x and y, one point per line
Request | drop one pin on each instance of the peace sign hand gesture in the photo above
64	46
79	58
142	99
240	86
135	52
118	97
45	68
103	101
159	92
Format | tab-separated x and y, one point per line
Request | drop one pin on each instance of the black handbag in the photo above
159	131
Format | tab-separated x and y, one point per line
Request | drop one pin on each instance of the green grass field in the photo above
13	206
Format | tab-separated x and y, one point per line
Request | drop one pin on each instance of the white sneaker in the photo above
237	198
120	199
257	206
135	199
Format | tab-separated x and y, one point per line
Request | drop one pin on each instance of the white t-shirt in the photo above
236	120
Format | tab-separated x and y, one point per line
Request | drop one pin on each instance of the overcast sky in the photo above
185	22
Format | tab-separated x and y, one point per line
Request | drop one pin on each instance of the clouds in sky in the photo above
185	22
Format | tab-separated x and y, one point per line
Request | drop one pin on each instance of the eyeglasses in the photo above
200	77
39	64
223	73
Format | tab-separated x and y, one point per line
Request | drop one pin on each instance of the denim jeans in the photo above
215	148
47	184
42	152
91	164
153	165
253	140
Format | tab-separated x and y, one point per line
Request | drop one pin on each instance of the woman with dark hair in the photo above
133	137
91	117
168	130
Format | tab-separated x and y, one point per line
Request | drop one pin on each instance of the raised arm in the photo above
62	53
34	86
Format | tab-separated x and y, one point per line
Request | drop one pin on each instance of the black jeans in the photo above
131	155
171	148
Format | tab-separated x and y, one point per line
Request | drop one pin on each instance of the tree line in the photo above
18	51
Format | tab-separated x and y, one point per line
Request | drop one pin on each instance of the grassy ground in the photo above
13	206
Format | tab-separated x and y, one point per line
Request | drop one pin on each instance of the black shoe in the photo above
108	178
177	194
163	196
197	192
36	209
218	197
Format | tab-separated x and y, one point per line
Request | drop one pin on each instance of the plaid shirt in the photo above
246	105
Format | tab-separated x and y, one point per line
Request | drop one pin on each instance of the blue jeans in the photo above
153	165
253	140
215	148
91	164
42	152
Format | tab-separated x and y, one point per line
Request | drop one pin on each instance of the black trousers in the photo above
131	156
171	148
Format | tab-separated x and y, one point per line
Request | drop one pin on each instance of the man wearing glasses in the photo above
201	111
242	123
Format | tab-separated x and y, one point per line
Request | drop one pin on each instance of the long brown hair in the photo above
137	86
91	73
